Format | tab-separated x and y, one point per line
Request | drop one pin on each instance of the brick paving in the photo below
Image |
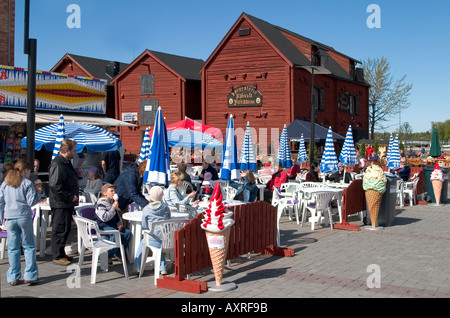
412	257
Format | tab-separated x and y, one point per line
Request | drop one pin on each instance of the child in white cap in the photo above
156	210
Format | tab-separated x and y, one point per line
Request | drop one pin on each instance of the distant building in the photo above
7	27
257	73
156	79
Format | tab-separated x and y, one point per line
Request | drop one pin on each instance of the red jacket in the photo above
277	180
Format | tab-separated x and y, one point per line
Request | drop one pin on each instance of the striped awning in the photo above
10	117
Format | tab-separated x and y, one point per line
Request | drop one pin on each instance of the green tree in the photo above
387	97
362	149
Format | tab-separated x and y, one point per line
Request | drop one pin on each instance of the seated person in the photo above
208	168
94	181
107	217
278	178
267	169
246	191
339	175
172	195
155	211
206	188
294	170
313	174
404	171
182	168
301	176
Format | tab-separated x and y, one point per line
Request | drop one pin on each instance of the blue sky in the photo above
414	36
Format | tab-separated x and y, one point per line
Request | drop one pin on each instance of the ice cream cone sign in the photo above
374	185
437	180
217	223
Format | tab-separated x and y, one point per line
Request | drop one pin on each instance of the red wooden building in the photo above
73	64
156	79
257	73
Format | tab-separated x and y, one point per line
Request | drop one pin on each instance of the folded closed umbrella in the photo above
329	162
284	150
247	160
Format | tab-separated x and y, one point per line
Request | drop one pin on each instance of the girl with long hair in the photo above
17	196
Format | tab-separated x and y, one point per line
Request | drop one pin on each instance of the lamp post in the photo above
319	70
30	48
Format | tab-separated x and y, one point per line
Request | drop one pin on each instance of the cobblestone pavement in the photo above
411	258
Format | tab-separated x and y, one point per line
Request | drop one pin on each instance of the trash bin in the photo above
430	191
386	214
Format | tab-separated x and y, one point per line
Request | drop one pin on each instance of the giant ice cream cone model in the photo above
437	179
374	184
217	224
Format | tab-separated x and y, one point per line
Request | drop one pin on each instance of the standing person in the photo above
129	186
111	166
64	191
17	196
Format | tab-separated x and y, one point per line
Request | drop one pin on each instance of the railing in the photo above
255	229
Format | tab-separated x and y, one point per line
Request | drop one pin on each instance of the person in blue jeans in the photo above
107	217
17	196
156	210
247	191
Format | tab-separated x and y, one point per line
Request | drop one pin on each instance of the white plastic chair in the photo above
3	238
322	203
281	203
167	228
409	190
263	179
186	186
186	208
97	244
229	193
91	196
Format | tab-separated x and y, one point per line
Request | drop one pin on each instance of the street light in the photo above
319	70
30	48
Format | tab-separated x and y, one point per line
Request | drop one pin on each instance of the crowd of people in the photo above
18	194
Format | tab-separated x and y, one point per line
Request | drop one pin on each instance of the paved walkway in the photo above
411	258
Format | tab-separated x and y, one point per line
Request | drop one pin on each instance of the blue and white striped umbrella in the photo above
157	171
145	147
229	169
388	154
329	162
60	135
394	157
284	150
248	159
93	138
348	155
302	154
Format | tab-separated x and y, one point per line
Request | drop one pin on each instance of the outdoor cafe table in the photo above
40	223
339	193
135	219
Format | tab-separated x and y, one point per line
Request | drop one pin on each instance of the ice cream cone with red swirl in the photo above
217	224
437	180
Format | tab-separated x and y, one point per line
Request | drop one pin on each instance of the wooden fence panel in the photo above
254	230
